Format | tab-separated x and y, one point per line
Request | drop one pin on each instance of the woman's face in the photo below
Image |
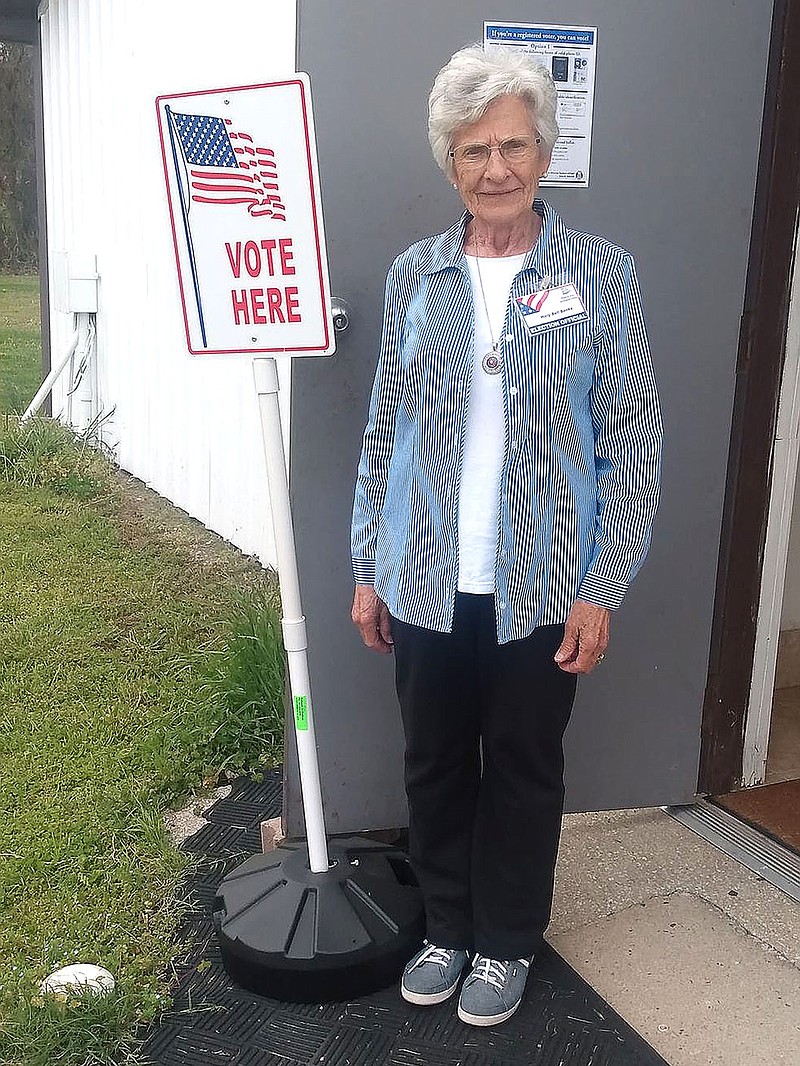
500	192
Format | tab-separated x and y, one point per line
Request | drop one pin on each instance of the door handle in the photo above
340	310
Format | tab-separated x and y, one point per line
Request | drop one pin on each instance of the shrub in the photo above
245	682
236	722
41	453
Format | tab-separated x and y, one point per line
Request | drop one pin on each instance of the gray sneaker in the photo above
432	975
493	990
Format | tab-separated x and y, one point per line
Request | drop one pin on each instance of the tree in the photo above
18	222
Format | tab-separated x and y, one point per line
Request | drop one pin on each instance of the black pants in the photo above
484	776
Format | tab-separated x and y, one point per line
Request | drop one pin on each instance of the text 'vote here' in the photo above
265	304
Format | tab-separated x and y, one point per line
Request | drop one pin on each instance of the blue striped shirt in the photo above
580	478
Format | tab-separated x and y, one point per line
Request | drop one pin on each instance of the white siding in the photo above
186	425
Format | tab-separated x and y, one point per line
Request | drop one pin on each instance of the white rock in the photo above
78	979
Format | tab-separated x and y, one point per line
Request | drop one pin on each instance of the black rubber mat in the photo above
562	1022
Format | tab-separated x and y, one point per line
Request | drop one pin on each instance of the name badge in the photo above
548	308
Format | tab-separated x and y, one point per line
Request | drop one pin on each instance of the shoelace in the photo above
439	956
493	971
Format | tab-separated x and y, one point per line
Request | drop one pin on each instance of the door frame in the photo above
759	370
785	457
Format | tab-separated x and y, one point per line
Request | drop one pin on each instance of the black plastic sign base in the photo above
302	937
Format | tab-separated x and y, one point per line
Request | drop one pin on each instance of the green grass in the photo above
42	452
132	668
20	341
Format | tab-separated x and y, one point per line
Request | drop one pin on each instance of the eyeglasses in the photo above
513	150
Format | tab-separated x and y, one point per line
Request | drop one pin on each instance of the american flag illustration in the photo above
533	302
225	166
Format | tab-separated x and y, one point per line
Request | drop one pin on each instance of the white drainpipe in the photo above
75	291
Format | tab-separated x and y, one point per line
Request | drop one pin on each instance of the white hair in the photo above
472	79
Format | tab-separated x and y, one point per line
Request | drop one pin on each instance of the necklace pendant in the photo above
491	362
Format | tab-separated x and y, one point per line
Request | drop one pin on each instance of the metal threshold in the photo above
778	865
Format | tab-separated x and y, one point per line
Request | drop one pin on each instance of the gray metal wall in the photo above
18	21
676	134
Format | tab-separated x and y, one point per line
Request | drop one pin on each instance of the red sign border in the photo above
320	271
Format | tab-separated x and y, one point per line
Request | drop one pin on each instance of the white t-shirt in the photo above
484	442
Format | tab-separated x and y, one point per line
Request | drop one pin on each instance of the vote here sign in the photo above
243	191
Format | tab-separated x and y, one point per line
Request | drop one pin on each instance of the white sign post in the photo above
569	53
241	172
327	921
293	622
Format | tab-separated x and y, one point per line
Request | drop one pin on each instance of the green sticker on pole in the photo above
301	712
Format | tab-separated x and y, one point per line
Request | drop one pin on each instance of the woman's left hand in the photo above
585	640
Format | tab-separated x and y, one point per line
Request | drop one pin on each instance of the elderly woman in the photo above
505	495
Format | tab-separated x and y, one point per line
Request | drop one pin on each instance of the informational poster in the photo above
240	167
568	53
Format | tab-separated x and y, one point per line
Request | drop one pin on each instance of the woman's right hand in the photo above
371	616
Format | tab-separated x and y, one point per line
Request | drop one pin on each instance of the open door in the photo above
769	796
764	449
673	177
776	664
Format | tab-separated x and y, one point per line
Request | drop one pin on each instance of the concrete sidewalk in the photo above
697	953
